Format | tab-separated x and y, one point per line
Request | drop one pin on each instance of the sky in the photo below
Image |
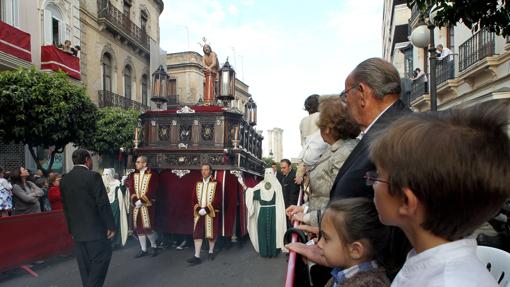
283	50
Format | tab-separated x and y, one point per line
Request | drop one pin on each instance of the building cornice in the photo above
161	5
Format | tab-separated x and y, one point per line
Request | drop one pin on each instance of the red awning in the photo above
54	59
15	42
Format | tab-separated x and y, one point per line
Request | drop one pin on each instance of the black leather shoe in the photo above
211	256
153	252
194	260
141	254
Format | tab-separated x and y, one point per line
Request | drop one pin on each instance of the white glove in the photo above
138	203
241	182
202	212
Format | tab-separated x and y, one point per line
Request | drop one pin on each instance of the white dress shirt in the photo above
445	53
203	194
360	136
452	264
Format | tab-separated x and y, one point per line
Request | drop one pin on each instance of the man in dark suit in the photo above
372	93
287	179
89	219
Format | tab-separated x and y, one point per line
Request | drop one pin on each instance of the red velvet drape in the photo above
31	237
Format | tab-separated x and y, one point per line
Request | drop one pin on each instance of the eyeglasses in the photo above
343	94
372	177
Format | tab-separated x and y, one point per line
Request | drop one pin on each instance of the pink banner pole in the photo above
289	280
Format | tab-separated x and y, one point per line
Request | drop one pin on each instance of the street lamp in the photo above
227	83
160	87
422	36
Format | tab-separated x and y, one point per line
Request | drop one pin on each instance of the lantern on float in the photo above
251	112
160	88
227	84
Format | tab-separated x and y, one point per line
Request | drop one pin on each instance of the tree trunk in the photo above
38	160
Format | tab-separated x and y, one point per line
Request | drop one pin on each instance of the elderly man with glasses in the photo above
372	92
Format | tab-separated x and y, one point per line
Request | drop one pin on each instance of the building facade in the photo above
477	71
30	32
120	50
187	76
275	143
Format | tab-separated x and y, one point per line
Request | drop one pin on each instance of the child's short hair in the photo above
357	219
456	162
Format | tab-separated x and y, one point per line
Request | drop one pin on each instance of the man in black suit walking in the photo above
89	219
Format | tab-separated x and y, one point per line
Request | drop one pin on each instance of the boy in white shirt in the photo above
440	176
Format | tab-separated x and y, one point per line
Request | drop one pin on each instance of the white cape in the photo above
253	207
111	185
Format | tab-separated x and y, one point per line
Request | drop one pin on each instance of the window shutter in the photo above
47	28
62	32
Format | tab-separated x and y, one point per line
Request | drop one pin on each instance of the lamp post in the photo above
422	36
160	87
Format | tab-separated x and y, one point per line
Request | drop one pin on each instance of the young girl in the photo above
5	195
353	240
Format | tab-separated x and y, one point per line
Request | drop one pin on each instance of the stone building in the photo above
120	50
476	72
275	143
119	42
186	72
30	32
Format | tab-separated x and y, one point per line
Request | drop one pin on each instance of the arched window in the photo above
107	72
127	82
145	98
126	7
54	26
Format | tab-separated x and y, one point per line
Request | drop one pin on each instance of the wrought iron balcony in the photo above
109	99
481	45
445	70
120	23
419	87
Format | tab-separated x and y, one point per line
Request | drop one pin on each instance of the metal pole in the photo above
433	61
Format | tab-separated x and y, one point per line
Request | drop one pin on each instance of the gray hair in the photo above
381	76
143	158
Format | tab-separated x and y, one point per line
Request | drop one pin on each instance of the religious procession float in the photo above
177	139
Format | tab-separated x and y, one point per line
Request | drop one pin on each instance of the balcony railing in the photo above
481	45
109	99
15	42
54	59
445	70
419	87
121	23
